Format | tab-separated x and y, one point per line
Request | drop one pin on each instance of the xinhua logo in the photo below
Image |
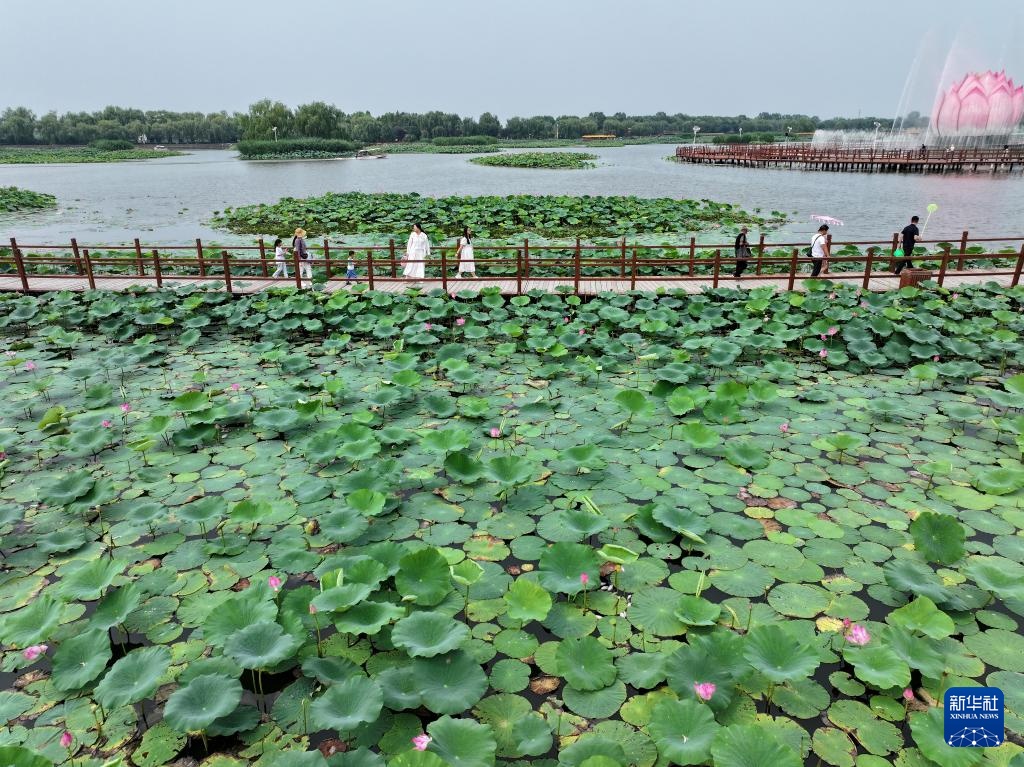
973	717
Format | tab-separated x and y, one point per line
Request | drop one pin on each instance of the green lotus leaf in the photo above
683	731
585	663
587	456
19	756
879	666
190	402
367	617
1000	481
250	512
90	579
203	700
695	611
32	624
133	677
527	601
562	564
449	684
344	525
747	745
699	436
445	440
293	757
1001	576
619	555
463	467
680	402
330	670
68	488
940	538
80	659
415	758
242	719
424	578
367	502
654	610
683	521
592	747
778	655
62	540
260	645
632	401
510	470
424	635
347	705
467	572
923	616
746	454
245	609
927	729
462	742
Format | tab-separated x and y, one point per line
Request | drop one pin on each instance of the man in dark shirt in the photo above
909	239
742	253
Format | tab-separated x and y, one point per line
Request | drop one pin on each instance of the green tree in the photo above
265	115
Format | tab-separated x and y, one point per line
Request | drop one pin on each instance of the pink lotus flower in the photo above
460	321
9	353
986	103
858	635
66	739
125	407
784	428
831	296
823	354
312	609
420	742
584	579
565	319
908	694
863	304
427	326
274	582
582	332
956	296
704	690
495	432
833	330
33	652
106	424
824	337
846	623
935	358
3	455
30	366
235	387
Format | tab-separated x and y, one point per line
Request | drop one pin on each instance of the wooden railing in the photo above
801	152
522	262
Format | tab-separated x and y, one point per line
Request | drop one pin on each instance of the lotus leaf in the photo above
202	701
424	635
133	677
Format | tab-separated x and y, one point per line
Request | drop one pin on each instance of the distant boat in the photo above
366	154
160	148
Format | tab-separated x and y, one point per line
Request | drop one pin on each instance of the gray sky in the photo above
512	58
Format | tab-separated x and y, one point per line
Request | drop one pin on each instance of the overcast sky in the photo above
512	58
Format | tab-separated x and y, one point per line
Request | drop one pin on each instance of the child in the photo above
351	275
281	259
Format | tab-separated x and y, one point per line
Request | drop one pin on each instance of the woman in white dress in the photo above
465	255
416	252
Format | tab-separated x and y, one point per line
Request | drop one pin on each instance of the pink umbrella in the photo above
827	220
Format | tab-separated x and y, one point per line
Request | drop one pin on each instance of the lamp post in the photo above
696	130
274	128
789	131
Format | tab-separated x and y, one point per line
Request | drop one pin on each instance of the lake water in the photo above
170	200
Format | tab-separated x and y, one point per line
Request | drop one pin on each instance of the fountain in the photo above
978	110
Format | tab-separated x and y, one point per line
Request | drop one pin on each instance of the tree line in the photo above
268	119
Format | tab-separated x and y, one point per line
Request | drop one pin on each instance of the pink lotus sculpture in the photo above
980	104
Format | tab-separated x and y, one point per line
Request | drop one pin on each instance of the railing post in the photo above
576	268
526	257
1020	266
199	255
138	258
519	272
78	256
942	265
157	270
892	251
963	251
866	284
444	271
622	259
327	257
760	251
632	272
792	268
391	250
263	257
19	264
369	268
693	252
227	271
88	269
718	265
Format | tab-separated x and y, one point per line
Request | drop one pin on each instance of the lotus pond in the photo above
553	160
298	528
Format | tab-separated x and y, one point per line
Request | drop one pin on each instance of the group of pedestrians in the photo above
417	252
821	249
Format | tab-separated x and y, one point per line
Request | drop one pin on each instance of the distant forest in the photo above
19	125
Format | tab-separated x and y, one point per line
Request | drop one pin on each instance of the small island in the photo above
15	200
551	160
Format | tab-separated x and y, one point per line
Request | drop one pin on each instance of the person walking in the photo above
299	247
742	253
280	259
351	275
820	250
908	240
417	250
465	255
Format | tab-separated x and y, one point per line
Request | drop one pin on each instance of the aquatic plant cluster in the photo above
299	148
34	156
489	216
556	160
427	530
13	200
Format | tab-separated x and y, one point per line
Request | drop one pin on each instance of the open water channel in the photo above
171	200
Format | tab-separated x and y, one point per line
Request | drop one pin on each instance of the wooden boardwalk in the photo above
878	281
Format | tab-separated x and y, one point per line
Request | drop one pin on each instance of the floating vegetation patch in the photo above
554	160
14	200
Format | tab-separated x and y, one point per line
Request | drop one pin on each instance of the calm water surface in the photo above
171	200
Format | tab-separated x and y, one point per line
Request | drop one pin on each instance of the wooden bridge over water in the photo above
583	269
867	160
